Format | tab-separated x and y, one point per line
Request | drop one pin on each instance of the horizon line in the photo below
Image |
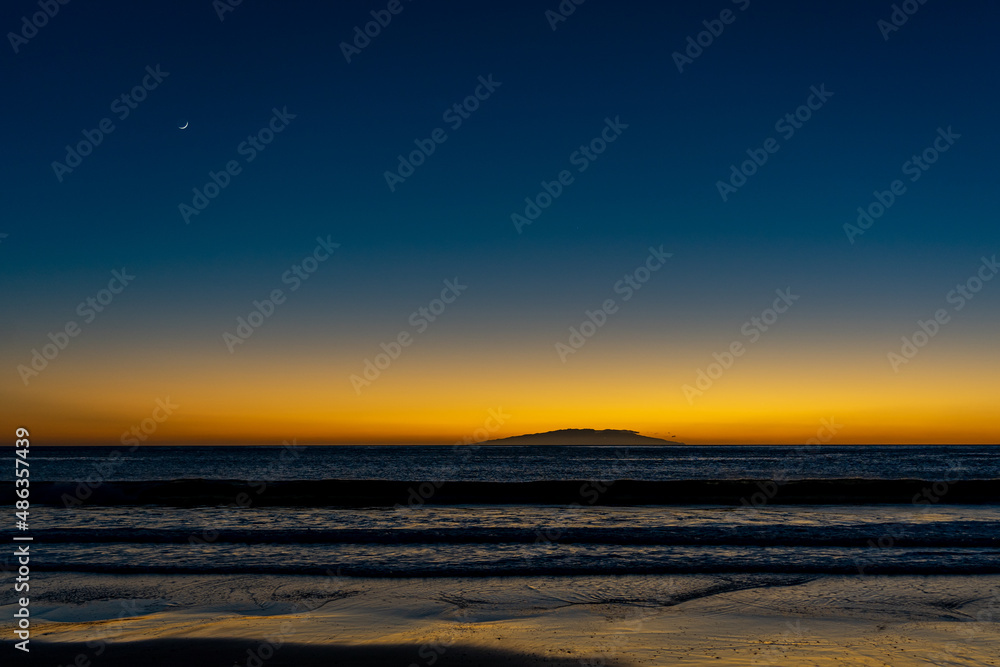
487	442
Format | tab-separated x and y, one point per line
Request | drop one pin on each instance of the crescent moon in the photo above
184	126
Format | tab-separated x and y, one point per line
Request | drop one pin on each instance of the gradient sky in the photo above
494	347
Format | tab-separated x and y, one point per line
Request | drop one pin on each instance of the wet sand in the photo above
630	620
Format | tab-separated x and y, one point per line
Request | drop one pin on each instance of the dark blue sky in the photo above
324	174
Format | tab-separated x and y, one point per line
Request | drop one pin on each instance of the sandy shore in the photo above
642	620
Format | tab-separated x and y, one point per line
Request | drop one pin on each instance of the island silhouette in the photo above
583	436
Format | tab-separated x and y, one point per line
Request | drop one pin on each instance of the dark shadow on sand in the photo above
252	653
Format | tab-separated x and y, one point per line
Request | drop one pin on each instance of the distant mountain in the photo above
582	436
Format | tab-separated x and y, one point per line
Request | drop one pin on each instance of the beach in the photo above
476	334
720	619
595	556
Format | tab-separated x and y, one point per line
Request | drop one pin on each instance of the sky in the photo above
725	221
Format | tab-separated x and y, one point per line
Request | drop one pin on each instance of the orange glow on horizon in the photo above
778	395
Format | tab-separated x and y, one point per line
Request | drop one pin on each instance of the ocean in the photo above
398	511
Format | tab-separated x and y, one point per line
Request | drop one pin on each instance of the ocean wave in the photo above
551	571
383	493
944	534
